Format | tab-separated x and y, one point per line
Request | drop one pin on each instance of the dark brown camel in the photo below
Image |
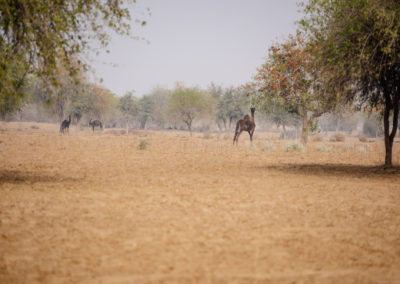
95	123
245	124
64	128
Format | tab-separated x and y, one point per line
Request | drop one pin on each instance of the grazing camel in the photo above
245	124
95	123
64	128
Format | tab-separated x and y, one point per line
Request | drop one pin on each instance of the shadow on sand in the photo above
17	177
337	170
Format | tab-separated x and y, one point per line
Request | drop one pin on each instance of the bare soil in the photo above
93	208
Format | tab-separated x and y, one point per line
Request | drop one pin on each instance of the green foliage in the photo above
129	105
38	36
187	104
146	110
288	83
230	104
159	101
357	43
13	83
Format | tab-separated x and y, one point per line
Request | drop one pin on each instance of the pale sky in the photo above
196	42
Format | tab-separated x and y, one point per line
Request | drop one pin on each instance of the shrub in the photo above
34	127
362	138
293	146
323	148
337	137
364	148
250	146
347	147
143	145
268	146
317	138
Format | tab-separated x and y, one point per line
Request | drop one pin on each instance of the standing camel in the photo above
245	124
95	123
64	128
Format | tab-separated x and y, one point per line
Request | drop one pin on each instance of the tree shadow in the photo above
17	177
347	170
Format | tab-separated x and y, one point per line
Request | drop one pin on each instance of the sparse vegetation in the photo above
347	147
293	146
250	146
317	138
323	148
337	137
143	144
268	147
363	138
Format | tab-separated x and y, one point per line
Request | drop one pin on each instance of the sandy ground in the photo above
96	209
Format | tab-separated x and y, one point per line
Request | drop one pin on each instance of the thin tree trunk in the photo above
284	131
127	127
304	129
389	137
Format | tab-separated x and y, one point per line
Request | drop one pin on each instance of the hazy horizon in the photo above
194	42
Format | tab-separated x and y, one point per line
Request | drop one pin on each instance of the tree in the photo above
129	106
159	97
290	76
230	104
187	104
358	44
37	36
146	109
12	85
279	112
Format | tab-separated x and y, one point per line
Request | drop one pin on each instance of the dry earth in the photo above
96	209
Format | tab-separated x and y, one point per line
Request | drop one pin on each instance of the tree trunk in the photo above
143	123
389	137
284	131
127	126
190	129
304	129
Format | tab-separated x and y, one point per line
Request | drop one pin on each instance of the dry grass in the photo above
95	209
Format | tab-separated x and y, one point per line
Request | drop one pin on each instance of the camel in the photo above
245	124
95	123
64	128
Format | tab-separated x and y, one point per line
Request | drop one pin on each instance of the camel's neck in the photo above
252	113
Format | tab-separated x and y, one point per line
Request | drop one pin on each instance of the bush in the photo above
250	146
143	145
337	137
34	127
317	138
364	149
347	147
323	148
362	138
269	146
293	146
